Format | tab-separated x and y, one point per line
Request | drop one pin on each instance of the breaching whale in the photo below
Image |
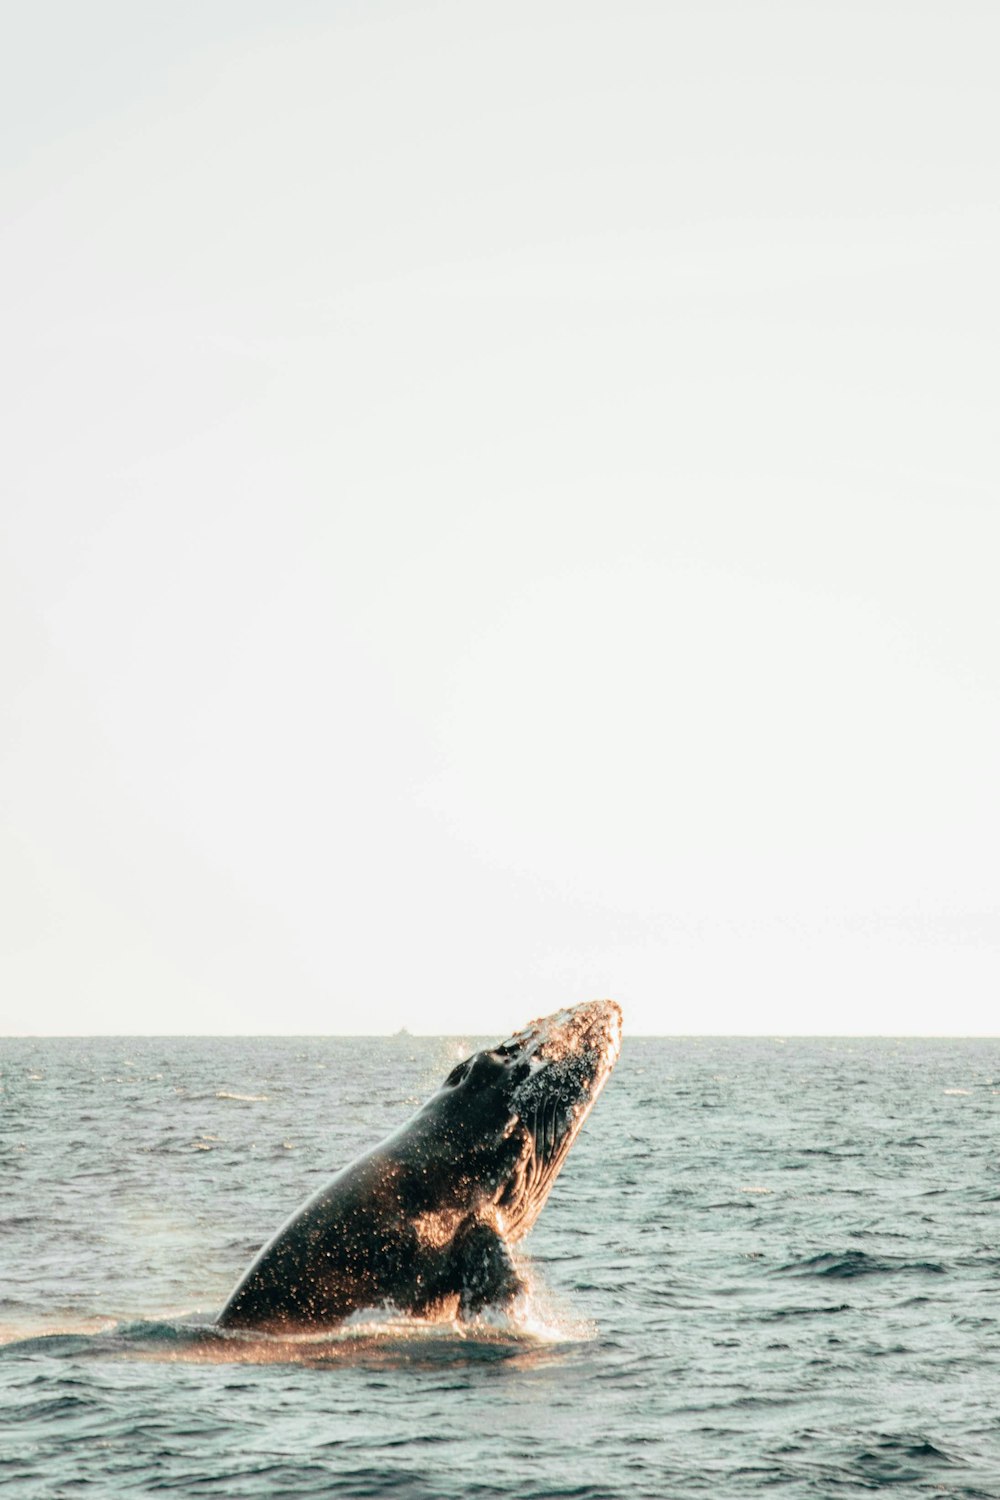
424	1221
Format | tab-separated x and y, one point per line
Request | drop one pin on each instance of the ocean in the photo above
768	1267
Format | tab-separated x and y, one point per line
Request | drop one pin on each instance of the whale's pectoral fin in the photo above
485	1275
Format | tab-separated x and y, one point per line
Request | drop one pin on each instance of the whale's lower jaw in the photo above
570	1057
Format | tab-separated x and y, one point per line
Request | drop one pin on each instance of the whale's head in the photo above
515	1110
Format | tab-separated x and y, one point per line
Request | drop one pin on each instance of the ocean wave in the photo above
846	1264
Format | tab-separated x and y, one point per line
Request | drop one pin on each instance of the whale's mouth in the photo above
564	1061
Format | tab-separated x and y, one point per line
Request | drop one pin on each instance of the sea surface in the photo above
768	1267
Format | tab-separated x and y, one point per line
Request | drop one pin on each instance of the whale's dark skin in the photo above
424	1221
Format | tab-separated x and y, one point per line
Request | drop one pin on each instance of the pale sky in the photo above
500	508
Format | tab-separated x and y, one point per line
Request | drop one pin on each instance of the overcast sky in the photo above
499	508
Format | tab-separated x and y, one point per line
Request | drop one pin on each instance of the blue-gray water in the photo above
766	1268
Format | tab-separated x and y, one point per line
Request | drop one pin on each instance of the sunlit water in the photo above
766	1267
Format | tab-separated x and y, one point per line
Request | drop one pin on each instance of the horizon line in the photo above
405	1034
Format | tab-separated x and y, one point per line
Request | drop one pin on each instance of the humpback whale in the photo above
425	1220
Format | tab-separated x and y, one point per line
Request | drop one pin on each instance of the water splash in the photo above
533	1329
